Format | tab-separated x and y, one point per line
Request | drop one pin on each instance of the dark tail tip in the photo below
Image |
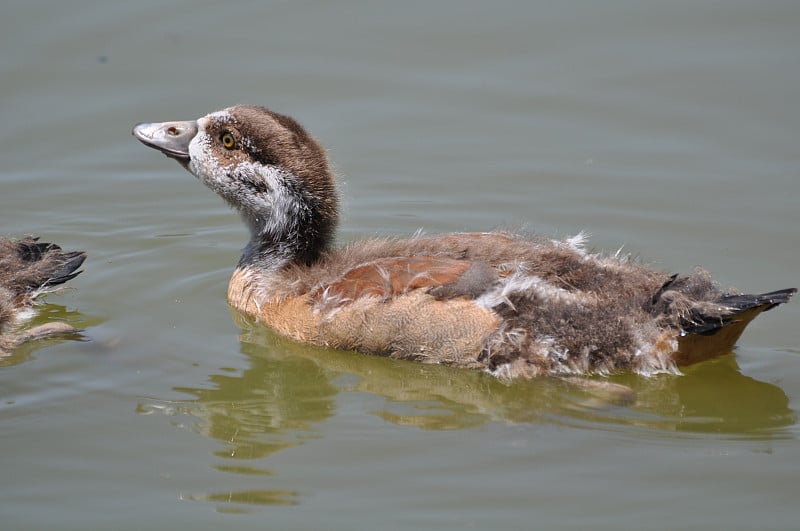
707	336
67	269
769	300
46	264
701	323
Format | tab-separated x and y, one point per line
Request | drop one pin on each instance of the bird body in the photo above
29	269
515	305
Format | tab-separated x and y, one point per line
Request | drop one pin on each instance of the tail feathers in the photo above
769	300
31	250
67	268
707	336
701	323
30	267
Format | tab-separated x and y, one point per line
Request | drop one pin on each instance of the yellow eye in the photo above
227	140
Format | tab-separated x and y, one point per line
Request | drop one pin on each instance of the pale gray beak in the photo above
171	138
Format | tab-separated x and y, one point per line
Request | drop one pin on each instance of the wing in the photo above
386	278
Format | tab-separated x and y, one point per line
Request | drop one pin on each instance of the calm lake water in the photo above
667	128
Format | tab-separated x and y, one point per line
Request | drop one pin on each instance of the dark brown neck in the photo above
296	230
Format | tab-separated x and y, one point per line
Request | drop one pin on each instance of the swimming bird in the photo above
514	305
28	269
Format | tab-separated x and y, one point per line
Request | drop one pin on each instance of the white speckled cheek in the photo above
202	162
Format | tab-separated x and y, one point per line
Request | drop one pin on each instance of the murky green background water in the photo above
669	128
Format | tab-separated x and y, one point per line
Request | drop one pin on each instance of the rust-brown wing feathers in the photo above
389	277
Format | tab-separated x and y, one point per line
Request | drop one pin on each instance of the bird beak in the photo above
171	138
